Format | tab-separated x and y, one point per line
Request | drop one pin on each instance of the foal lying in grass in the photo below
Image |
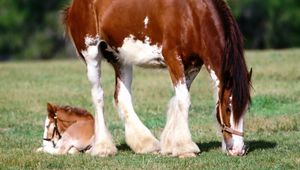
67	130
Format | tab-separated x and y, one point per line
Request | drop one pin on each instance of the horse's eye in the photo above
48	126
228	110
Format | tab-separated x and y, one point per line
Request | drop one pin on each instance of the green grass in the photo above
272	124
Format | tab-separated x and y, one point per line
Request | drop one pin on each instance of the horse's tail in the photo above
234	72
66	22
65	19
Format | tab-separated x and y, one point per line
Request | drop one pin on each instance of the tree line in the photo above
32	29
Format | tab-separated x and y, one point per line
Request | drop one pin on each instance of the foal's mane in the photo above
75	111
234	72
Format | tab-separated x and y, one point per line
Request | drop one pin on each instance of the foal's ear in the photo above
51	110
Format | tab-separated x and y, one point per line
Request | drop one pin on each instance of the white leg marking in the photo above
176	137
103	145
138	136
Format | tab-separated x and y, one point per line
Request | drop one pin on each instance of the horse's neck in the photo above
65	122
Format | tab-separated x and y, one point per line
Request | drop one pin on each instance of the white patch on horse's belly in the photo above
141	53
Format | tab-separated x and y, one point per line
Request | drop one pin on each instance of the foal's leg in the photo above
103	143
176	137
137	135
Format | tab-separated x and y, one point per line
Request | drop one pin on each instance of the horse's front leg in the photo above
137	135
176	137
103	143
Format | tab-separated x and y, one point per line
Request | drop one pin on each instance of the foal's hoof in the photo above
103	150
40	149
187	155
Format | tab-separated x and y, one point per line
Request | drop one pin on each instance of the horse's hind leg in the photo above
176	137
137	135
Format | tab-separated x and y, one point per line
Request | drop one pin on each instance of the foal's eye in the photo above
47	126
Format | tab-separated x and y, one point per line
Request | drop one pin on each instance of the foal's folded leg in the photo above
73	150
63	146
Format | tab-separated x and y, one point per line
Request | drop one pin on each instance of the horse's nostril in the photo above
245	149
229	147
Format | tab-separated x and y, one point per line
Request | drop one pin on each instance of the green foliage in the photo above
272	125
268	23
31	29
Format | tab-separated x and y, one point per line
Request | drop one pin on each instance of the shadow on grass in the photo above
253	145
260	144
123	147
207	146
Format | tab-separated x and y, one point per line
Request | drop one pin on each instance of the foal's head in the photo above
59	119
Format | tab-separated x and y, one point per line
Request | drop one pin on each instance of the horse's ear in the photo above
51	110
250	75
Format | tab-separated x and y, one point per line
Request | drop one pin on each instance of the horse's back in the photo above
171	23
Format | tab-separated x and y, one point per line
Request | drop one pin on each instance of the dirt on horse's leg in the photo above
137	135
103	143
176	137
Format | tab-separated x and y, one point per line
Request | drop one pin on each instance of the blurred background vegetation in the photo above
32	29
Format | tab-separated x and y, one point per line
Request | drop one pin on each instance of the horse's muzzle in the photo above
237	152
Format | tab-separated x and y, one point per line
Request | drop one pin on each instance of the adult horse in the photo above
180	35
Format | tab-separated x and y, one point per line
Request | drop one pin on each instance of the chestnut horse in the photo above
180	35
67	130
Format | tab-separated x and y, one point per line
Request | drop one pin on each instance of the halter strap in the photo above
55	130
230	130
226	128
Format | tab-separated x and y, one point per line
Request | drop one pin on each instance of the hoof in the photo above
187	155
103	150
182	150
146	145
40	149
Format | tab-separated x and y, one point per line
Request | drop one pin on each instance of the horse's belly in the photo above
141	53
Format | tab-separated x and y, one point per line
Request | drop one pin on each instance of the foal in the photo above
67	130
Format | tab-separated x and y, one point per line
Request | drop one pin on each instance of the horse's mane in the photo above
75	111
234	72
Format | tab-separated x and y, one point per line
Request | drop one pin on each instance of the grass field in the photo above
272	125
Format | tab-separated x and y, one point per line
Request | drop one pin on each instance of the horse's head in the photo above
52	132
230	115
